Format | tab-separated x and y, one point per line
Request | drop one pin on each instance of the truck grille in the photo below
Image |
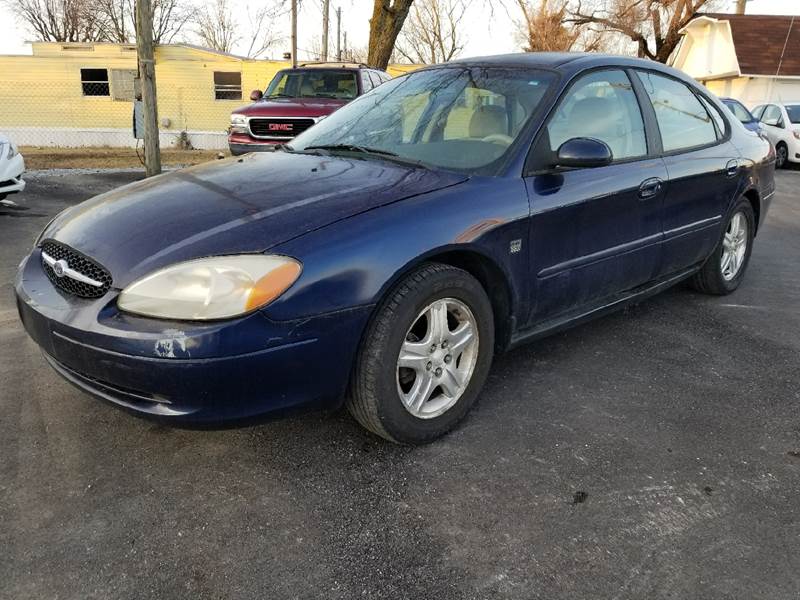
279	128
77	262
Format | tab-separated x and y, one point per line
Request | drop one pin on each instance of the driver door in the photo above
594	232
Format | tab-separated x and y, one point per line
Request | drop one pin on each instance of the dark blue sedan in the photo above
386	255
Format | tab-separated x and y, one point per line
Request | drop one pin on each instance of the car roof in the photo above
565	62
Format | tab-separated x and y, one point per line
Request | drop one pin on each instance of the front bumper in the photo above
11	181
202	374
240	143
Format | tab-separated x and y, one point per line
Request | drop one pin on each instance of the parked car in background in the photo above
295	100
782	125
12	166
744	116
450	214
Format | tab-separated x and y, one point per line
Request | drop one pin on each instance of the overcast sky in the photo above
487	31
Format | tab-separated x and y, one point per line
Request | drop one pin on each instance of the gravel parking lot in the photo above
651	454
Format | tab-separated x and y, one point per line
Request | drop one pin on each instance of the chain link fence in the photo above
83	95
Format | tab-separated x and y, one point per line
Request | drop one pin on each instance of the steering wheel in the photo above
498	138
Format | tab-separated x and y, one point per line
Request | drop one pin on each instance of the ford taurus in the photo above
387	254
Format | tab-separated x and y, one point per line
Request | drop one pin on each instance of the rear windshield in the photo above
313	83
739	111
794	113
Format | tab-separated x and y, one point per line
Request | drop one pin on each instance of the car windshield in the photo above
313	83
739	111
794	113
462	118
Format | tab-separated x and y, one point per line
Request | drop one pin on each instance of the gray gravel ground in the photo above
652	454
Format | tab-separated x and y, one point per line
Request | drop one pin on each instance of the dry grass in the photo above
107	158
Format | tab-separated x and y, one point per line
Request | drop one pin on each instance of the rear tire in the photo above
424	357
724	270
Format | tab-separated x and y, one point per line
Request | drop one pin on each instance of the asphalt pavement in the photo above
654	453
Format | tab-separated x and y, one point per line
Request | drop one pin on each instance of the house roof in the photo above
759	41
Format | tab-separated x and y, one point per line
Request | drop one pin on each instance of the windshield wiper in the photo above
387	154
278	96
352	148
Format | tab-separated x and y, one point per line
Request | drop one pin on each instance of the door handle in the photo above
732	168
650	188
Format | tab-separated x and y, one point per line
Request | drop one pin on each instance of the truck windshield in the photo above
313	83
462	118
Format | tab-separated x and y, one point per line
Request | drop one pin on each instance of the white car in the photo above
782	125
12	166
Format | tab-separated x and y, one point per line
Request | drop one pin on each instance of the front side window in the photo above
601	105
313	83
683	121
462	118
95	82
772	116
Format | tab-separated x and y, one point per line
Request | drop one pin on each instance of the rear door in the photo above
594	232
703	168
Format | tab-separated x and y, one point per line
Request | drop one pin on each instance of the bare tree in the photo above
544	28
216	26
432	32
59	20
653	25
169	19
262	36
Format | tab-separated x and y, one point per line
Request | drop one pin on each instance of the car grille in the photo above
77	262
279	128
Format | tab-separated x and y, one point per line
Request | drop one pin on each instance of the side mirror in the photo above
256	95
584	153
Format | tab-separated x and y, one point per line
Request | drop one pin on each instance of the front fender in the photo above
353	262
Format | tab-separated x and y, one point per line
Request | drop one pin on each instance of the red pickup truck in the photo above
296	99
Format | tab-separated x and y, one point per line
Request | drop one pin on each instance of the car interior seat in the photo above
487	120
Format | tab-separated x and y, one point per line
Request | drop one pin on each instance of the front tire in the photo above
424	357
723	272
781	156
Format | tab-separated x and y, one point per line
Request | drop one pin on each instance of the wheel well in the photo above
755	202
494	283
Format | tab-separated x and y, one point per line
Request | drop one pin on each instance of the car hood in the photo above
291	107
246	204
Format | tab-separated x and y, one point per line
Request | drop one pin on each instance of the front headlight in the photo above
12	151
211	288
238	123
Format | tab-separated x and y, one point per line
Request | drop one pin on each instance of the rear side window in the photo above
719	120
683	121
375	78
366	82
600	105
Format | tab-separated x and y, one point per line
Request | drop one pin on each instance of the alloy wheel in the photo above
734	246
782	155
437	358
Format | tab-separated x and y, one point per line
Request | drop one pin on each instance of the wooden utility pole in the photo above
740	6
294	33
339	33
147	79
326	9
